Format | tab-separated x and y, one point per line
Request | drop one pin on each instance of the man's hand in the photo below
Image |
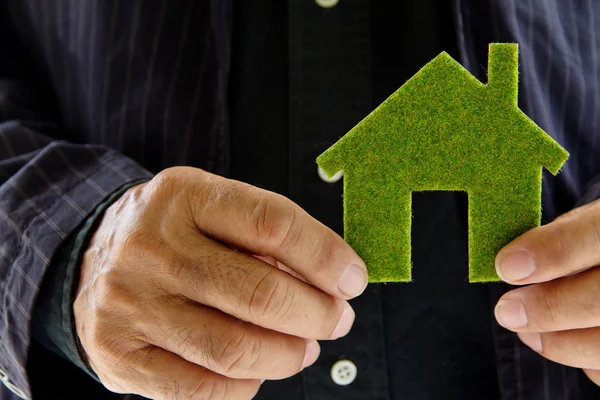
558	316
171	303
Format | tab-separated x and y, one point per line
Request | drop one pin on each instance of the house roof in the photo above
444	114
444	130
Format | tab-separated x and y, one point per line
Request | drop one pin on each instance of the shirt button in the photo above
343	372
327	3
6	381
334	178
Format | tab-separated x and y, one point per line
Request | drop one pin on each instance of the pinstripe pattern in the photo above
108	58
147	83
195	102
131	51
559	89
47	185
88	82
591	14
173	81
149	80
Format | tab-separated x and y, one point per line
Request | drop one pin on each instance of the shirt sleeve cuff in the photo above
53	321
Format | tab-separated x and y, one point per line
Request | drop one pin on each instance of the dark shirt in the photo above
429	339
99	94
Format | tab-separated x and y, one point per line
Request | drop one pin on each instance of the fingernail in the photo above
515	266
312	353
344	324
532	339
511	314
353	281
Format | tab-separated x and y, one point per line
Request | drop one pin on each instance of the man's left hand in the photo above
559	315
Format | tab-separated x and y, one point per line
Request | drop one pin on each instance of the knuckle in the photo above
550	311
184	341
323	250
214	195
240	352
563	247
168	179
108	321
110	341
208	389
293	227
116	296
134	368
263	226
144	360
216	192
141	367
204	390
172	186
272	297
560	251
162	187
144	247
278	226
139	244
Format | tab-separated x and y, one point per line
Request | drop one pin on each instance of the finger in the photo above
155	373
267	223
225	345
562	304
281	266
578	348
254	291
569	244
593	374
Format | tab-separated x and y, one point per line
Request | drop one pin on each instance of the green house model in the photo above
444	130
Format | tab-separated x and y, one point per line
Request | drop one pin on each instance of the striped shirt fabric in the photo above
95	94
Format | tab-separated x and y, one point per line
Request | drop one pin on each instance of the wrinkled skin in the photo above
199	287
557	313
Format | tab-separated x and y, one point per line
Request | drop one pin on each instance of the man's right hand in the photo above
171	303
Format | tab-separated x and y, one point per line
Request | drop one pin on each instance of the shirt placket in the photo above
330	91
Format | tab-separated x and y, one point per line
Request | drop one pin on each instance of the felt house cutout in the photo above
444	130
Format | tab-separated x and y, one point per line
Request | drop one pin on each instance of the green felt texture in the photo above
444	130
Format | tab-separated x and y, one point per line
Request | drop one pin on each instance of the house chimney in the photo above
503	70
